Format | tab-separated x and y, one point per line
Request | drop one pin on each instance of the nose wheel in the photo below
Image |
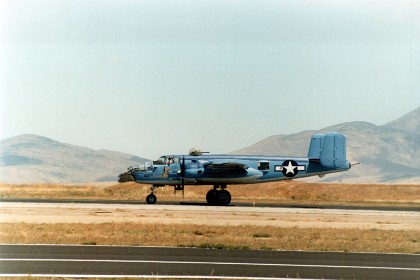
151	199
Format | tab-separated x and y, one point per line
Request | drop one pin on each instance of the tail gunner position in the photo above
327	154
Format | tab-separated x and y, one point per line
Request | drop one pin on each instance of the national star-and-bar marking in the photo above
289	168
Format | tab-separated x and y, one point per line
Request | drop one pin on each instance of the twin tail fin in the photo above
330	150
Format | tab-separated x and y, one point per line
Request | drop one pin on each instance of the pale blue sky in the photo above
156	77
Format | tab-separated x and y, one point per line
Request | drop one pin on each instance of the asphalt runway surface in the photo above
233	204
161	262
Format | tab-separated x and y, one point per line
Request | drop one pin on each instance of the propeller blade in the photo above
182	174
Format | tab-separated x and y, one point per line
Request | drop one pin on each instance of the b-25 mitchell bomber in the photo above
327	154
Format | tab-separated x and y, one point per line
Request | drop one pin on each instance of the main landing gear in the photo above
216	197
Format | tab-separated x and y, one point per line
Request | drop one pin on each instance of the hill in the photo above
36	159
388	153
409	123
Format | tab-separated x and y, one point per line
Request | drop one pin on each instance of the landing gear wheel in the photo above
224	198
151	199
212	196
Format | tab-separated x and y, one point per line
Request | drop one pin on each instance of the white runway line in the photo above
77	276
213	263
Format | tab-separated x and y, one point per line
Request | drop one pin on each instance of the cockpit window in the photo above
167	160
160	161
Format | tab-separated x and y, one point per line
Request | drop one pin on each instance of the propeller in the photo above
182	174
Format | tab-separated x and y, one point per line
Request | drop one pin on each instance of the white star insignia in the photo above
290	168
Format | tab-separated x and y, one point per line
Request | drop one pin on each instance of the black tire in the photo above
151	199
224	197
212	196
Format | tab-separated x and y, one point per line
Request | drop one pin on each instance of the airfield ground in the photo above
287	192
217	227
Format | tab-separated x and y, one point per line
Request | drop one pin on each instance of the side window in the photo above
263	165
170	160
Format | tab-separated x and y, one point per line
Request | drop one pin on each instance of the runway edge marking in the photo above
213	263
197	248
147	276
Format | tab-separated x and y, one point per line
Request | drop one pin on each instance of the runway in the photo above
240	204
163	262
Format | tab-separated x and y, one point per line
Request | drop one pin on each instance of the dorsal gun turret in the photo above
195	152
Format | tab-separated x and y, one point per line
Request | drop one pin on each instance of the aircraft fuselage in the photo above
257	169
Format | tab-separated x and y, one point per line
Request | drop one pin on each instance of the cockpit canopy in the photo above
148	165
166	160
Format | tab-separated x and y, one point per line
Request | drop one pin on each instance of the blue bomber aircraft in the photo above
327	154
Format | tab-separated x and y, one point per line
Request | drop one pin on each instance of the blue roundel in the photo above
290	168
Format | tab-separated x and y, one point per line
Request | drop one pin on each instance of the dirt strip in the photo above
206	215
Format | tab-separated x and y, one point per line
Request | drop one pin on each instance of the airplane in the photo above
327	154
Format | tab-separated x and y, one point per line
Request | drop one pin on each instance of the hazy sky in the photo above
156	77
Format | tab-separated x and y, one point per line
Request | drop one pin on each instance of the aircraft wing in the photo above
226	169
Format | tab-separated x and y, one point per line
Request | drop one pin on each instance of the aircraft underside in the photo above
218	195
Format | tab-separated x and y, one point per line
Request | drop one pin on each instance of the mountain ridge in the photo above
388	153
30	158
408	122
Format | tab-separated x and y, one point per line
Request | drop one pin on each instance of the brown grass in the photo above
277	192
219	237
236	237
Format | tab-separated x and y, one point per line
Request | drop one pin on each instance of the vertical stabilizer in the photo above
329	149
315	147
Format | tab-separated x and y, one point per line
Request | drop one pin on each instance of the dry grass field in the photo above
287	192
222	237
216	237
